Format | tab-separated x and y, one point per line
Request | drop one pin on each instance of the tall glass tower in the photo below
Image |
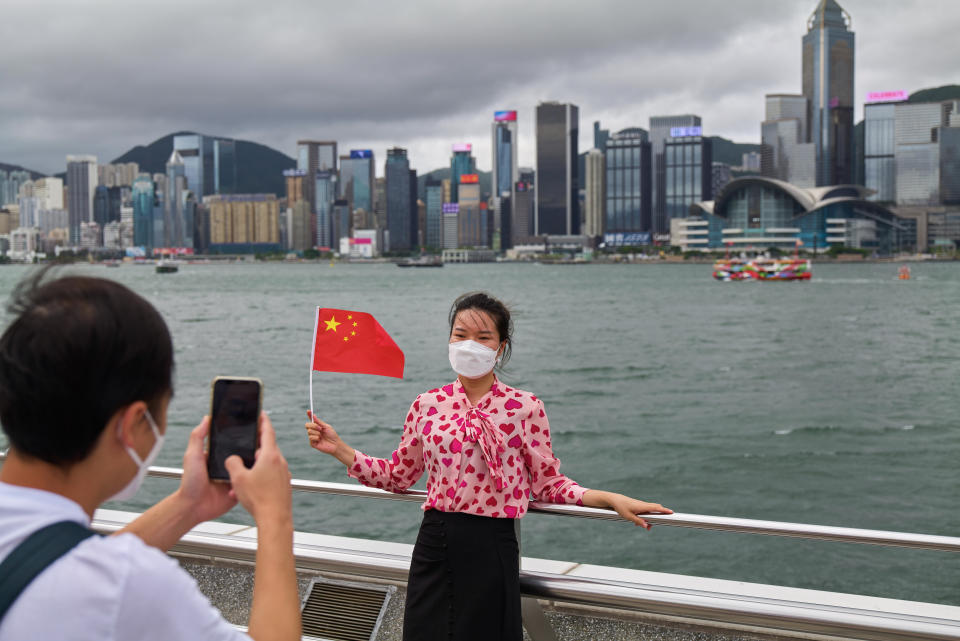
399	213
557	184
828	49
461	162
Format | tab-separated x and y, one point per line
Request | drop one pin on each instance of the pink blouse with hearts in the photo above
487	459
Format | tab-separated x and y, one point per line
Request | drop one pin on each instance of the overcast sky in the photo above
98	77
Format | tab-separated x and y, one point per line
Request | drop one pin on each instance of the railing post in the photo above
534	620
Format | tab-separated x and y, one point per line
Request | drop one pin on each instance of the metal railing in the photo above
697	521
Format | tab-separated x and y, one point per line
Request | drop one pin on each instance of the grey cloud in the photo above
100	77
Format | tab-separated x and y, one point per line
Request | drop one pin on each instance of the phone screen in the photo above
234	415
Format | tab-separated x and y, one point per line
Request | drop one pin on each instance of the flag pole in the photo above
313	349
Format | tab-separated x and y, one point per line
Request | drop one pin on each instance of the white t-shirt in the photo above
106	588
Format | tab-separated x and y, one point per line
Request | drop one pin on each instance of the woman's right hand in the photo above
324	438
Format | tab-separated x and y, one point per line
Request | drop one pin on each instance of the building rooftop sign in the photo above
462	146
505	116
469	179
684	132
361	153
887	96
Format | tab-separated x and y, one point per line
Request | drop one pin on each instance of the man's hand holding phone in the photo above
264	489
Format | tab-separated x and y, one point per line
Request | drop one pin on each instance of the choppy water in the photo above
831	402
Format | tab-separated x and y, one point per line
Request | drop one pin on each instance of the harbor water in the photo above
830	402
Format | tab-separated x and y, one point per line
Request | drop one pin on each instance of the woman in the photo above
486	450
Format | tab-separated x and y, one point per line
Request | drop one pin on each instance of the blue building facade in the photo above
144	202
399	211
629	176
433	199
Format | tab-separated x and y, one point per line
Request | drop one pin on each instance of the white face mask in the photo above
131	488
471	359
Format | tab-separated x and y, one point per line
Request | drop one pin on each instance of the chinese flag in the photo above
355	343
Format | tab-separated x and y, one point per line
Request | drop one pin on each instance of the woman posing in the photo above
486	450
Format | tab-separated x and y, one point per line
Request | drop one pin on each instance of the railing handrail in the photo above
696	521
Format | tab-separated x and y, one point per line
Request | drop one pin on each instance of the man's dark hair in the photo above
499	312
78	350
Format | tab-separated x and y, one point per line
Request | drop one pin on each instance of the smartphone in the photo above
234	418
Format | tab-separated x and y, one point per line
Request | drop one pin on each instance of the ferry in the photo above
165	266
422	261
732	269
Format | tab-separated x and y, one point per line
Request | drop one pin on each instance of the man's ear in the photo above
125	420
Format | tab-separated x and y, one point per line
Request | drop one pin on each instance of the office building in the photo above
879	151
433	215
524	209
82	181
750	161
595	192
50	219
225	166
461	162
629	172
688	178
314	156
380	203
471	219
299	234
144	203
401	208
450	227
357	178
28	211
721	174
325	193
828	64
662	128
294	180
600	136
917	151
786	153
196	155
340	215
556	188
10	185
107	202
243	223
176	228
49	193
118	175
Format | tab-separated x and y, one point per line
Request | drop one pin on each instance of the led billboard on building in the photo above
469	179
462	146
361	153
293	173
451	208
632	239
684	132
887	96
505	116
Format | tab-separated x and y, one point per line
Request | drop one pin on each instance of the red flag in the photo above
355	343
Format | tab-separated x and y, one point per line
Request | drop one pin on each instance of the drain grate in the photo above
343	611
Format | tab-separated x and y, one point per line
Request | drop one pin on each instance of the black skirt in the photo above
464	580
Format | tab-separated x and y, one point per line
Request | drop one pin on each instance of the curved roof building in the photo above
760	212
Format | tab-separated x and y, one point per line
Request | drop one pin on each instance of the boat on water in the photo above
422	261
734	269
167	267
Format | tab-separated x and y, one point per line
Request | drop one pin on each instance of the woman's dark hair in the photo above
78	350
484	302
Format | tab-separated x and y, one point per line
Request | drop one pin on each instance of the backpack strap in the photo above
34	555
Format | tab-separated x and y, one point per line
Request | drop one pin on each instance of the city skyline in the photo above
149	74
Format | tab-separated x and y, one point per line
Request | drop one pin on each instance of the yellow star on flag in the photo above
346	338
332	323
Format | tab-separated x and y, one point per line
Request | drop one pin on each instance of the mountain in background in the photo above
34	175
486	179
731	153
259	168
936	94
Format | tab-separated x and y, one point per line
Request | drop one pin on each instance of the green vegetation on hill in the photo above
259	168
33	174
729	152
936	94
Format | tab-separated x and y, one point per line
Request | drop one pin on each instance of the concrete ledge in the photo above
219	555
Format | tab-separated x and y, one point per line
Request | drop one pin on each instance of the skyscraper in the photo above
461	162
143	204
225	166
82	181
196	154
357	176
785	152
688	176
399	210
828	57
433	198
594	198
325	189
314	156
628	182
505	169
557	188
471	228
661	128
174	222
